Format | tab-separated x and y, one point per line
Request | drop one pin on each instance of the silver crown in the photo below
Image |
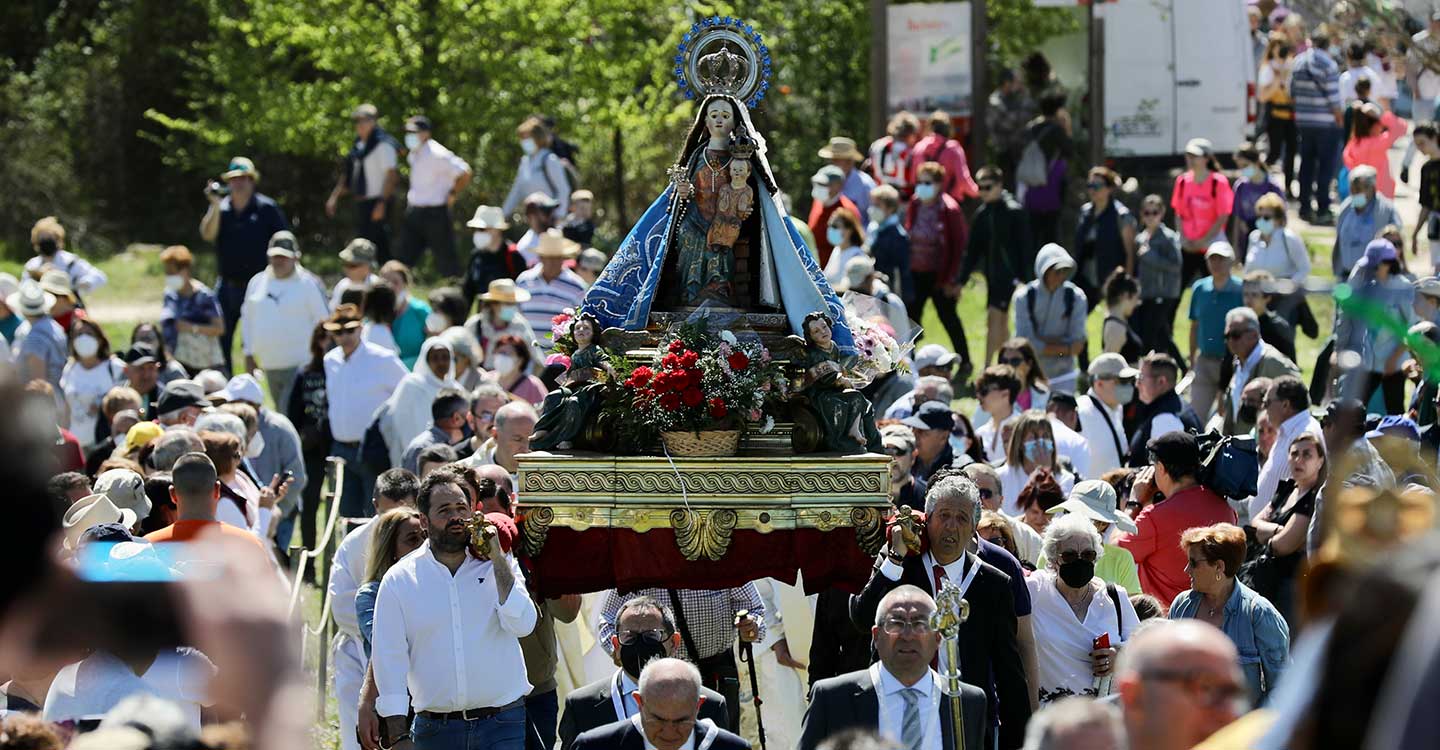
721	71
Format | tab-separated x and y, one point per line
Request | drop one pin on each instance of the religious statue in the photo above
569	408
721	196
845	416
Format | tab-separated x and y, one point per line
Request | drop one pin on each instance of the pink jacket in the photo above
948	152
1372	151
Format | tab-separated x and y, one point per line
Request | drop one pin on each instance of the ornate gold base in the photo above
704	500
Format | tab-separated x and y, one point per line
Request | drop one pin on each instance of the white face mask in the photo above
256	446
173	282
436	322
484	241
412	141
820	193
505	363
87	345
528	145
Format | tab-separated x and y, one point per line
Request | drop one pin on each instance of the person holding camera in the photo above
240	221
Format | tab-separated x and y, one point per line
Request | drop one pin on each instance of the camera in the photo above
217	187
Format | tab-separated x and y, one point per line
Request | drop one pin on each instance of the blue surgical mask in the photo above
412	141
925	192
1124	393
834	236
959	445
506	314
528	145
1034	447
1358	200
1250	172
1266	226
876	214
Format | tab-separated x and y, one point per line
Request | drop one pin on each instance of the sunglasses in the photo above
1152	213
1235	335
986	493
895	452
1095	186
1012	361
986	185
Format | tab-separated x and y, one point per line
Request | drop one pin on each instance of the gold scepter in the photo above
950	611
481	532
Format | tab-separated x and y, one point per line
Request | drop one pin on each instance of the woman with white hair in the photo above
1071	608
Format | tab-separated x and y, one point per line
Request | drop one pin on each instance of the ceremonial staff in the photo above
747	657
950	611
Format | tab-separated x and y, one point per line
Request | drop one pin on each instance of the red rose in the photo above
676	347
561	318
670	361
718	410
738	361
689	359
692	396
670	401
641	375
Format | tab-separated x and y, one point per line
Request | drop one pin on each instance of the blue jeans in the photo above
542	712
358	487
503	731
1319	156
232	296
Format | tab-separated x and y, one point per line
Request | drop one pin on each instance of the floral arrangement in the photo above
877	351
560	331
704	381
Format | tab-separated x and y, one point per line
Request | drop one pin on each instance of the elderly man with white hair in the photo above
1362	217
1074	607
1077	724
928	388
668	717
1253	359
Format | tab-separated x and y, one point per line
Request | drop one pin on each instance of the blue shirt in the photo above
409	330
996	556
202	307
1256	628
1315	86
365	612
245	235
1207	310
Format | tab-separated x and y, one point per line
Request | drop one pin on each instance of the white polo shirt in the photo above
433	171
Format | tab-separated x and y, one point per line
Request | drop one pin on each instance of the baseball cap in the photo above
360	250
1111	365
1428	286
592	259
1395	425
418	124
1220	248
931	416
1175	448
126	489
899	437
366	110
582	195
179	394
140	353
828	174
283	243
934	355
242	387
1199	147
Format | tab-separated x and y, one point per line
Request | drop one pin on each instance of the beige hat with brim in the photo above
553	244
1095	500
505	292
91	511
841	147
57	282
31	300
488	217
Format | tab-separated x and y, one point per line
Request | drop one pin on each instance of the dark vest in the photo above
1166	404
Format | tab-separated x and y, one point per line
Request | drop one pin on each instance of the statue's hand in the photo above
684	189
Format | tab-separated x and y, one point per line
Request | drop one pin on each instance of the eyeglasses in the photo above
897	626
1152	213
1012	361
629	637
1070	556
1095	186
1211	691
986	493
986	185
1234	335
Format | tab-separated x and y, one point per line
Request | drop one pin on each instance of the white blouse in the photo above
1063	643
1013	479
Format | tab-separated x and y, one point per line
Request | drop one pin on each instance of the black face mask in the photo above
1077	574
634	656
48	246
1248	413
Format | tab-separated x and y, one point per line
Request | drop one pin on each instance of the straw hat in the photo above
91	511
241	166
553	244
31	301
57	282
841	147
505	292
488	217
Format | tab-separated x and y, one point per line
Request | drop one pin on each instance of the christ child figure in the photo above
733	204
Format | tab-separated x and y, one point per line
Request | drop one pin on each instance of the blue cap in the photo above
1395	425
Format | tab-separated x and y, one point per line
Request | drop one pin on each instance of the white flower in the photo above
729	338
769	425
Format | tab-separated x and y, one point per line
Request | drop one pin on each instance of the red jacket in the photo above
820	216
957	232
951	155
1156	543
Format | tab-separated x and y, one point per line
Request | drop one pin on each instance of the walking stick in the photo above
747	657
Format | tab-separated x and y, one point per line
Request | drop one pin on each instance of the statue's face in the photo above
819	332
720	119
739	170
584	333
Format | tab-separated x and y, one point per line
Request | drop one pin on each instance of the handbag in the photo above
198	351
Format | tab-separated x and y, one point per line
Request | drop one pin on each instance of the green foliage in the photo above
1017	27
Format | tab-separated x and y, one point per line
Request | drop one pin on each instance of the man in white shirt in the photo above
1112	385
1355	69
553	288
370	174
87	690
900	696
1060	411
283	304
437	176
447	635
359	377
1288	405
393	489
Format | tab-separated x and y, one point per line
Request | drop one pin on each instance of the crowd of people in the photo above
1138	527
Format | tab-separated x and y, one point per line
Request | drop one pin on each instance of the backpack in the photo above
1030	305
1034	169
1229	465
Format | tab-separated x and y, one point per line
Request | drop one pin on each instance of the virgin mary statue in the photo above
675	233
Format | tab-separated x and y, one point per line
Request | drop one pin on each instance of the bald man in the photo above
668	718
1179	682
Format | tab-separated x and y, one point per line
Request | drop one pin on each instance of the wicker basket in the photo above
704	443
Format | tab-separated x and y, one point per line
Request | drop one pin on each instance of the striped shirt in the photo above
548	299
1315	86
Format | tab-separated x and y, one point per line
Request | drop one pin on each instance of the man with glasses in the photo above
1254	358
990	648
1287	403
1178	683
900	695
905	487
1101	413
644	630
1002	248
668	701
484	403
359	377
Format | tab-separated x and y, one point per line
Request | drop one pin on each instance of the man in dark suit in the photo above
644	630
989	653
669	703
901	695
